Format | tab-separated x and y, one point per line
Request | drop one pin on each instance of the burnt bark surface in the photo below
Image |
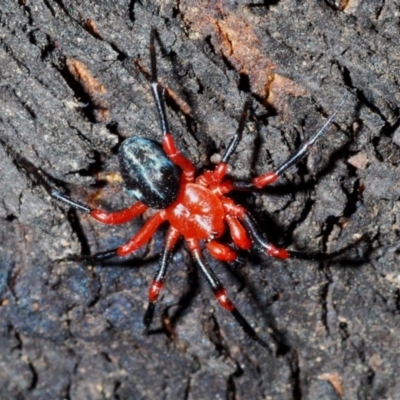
68	330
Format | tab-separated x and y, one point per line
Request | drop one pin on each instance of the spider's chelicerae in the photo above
196	207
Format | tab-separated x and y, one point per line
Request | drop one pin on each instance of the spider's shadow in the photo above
172	312
264	308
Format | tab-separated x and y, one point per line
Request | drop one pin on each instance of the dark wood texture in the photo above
71	331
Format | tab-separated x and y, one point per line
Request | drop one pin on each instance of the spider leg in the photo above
158	281
270	249
139	240
236	211
143	236
284	254
67	200
258	237
237	137
238	233
272	176
215	177
220	292
168	141
220	251
110	218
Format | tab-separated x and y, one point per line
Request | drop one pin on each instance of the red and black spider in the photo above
196	207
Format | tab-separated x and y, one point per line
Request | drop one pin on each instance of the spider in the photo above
196	207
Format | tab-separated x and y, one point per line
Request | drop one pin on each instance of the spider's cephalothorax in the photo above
196	208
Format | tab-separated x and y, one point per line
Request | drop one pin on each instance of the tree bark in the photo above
74	85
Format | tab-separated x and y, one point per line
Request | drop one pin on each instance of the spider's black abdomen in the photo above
148	173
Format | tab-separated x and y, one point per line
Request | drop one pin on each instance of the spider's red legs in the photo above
139	240
168	141
220	292
215	178
143	236
270	177
272	250
238	235
119	217
112	218
255	233
220	251
158	281
237	211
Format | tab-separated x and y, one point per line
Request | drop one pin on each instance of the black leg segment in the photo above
159	279
156	88
307	145
67	200
221	294
238	135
